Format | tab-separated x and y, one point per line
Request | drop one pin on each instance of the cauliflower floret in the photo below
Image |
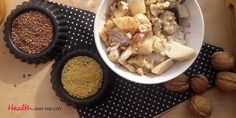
155	11
105	32
157	26
143	19
158	8
119	9
145	28
142	45
159	44
169	24
163	5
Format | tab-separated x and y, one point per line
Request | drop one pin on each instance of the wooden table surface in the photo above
36	89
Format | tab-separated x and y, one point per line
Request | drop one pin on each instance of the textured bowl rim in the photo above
131	76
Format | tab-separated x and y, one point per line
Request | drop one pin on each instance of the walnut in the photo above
226	81
199	83
222	61
201	106
179	84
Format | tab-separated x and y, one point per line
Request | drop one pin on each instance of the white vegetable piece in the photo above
183	11
168	21
114	53
163	5
159	44
143	19
163	67
156	58
126	54
155	11
180	52
137	6
145	47
127	24
144	28
142	61
158	8
140	71
119	9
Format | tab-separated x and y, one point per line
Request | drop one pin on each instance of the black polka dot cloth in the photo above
125	99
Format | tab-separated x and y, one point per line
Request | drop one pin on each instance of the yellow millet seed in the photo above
82	77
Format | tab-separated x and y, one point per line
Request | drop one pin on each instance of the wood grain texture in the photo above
36	90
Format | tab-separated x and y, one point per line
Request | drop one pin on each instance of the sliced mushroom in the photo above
163	67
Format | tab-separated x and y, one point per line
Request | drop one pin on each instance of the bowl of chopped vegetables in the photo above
149	41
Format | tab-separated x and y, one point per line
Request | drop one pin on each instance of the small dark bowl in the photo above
63	94
59	31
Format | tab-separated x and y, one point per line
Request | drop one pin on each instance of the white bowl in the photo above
194	40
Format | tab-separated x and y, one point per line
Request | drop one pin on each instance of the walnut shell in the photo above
179	84
222	61
226	81
199	84
201	106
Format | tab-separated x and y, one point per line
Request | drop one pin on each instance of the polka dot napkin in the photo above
126	99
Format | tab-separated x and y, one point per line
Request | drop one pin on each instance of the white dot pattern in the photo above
80	35
125	99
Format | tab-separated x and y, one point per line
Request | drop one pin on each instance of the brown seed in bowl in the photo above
201	106
179	84
222	61
199	83
32	32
